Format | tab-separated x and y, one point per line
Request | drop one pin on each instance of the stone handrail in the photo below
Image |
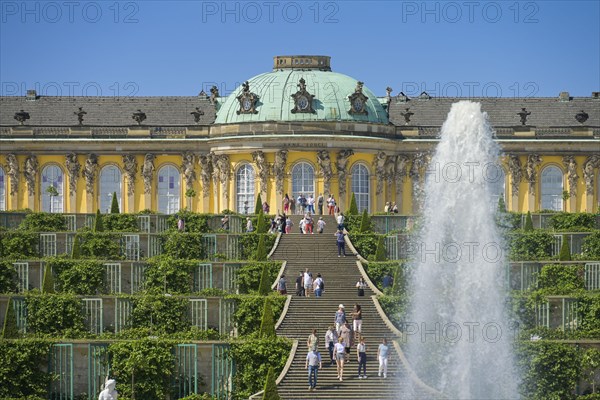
368	279
274	245
284	371
283	265
284	311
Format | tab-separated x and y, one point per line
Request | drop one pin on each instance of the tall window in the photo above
360	186
552	188
110	182
2	190
52	175
244	185
496	179
303	180
168	190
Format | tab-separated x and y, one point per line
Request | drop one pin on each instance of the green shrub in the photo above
395	307
249	311
162	314
18	245
365	243
565	252
100	245
530	245
261	251
21	374
82	277
353	209
560	279
270	390
120	222
258	206
188	246
143	368
365	222
267	324
591	246
194	222
10	329
380	251
249	275
264	288
249	244
253	358
98	226
54	314
76	250
170	275
48	281
114	205
549	370
573	222
9	279
352	223
528	223
43	222
501	204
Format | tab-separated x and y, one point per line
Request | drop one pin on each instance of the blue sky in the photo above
159	48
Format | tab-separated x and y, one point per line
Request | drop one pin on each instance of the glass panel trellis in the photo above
542	314
93	315
89	221
210	245
113	277
186	370
233	247
391	247
592	276
222	372
199	313
138	277
154	246
69	241
569	314
61	367
162	223
20	308
529	275
71	222
47	244
22	269
98	368
203	277
122	314
144	223
557	244
230	278
131	247
226	311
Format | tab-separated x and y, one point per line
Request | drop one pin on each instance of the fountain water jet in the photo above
459	340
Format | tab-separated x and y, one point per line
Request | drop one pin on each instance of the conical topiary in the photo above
528	223
264	287
565	253
501	205
365	222
114	205
261	225
10	329
397	285
380	251
48	282
353	209
270	392
258	207
261	250
76	250
267	323
98	225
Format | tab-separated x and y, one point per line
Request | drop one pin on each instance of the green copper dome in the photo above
269	96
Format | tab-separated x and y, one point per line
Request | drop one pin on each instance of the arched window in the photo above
552	188
244	189
168	190
52	201
110	182
496	179
303	180
360	186
2	190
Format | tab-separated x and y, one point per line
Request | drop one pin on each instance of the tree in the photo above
267	323
501	205
565	253
10	330
190	193
258	207
353	209
48	281
76	250
528	223
270	392
98	226
114	205
261	224
365	222
261	250
380	252
264	286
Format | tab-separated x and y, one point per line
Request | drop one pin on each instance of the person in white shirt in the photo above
313	364
317	285
340	221
320	225
340	353
331	338
382	356
308	280
310	202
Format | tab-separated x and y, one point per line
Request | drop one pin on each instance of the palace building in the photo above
298	129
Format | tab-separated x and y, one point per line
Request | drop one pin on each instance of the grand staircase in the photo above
318	252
